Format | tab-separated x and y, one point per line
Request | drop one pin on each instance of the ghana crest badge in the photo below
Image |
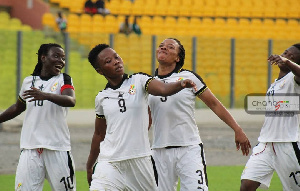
132	90
282	84
180	78
54	87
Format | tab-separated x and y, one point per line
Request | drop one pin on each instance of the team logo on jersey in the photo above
19	187
179	79
282	84
54	87
132	90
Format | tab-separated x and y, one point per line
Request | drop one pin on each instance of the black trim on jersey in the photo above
177	69
140	73
45	78
297	151
201	91
100	116
125	76
148	81
204	163
67	79
281	77
70	164
23	101
155	171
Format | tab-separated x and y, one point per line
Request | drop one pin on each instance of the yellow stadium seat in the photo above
158	25
48	19
137	7
113	6
76	6
233	8
146	24
98	24
125	7
186	8
245	8
169	26
111	24
270	9
149	7
161	8
73	23
210	8
173	8
15	24
198	8
85	25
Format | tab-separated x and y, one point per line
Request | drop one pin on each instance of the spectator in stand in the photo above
126	27
135	27
90	7
61	22
100	6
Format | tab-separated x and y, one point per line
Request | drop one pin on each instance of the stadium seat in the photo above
146	24
125	7
185	9
85	23
138	7
49	20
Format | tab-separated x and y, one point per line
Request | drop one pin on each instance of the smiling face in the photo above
167	52
110	64
292	53
53	62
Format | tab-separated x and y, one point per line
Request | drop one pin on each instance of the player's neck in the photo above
165	69
282	74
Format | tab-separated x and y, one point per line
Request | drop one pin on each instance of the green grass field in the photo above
220	178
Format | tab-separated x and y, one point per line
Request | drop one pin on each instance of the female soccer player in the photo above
278	149
121	138
45	145
177	147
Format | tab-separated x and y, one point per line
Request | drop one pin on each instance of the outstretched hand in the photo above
242	142
187	83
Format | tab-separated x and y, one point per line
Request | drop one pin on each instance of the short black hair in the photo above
297	57
181	53
297	46
93	54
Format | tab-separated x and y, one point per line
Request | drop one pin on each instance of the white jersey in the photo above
126	112
45	124
281	128
173	117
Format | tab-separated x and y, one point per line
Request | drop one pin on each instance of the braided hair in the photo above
181	53
43	50
94	54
